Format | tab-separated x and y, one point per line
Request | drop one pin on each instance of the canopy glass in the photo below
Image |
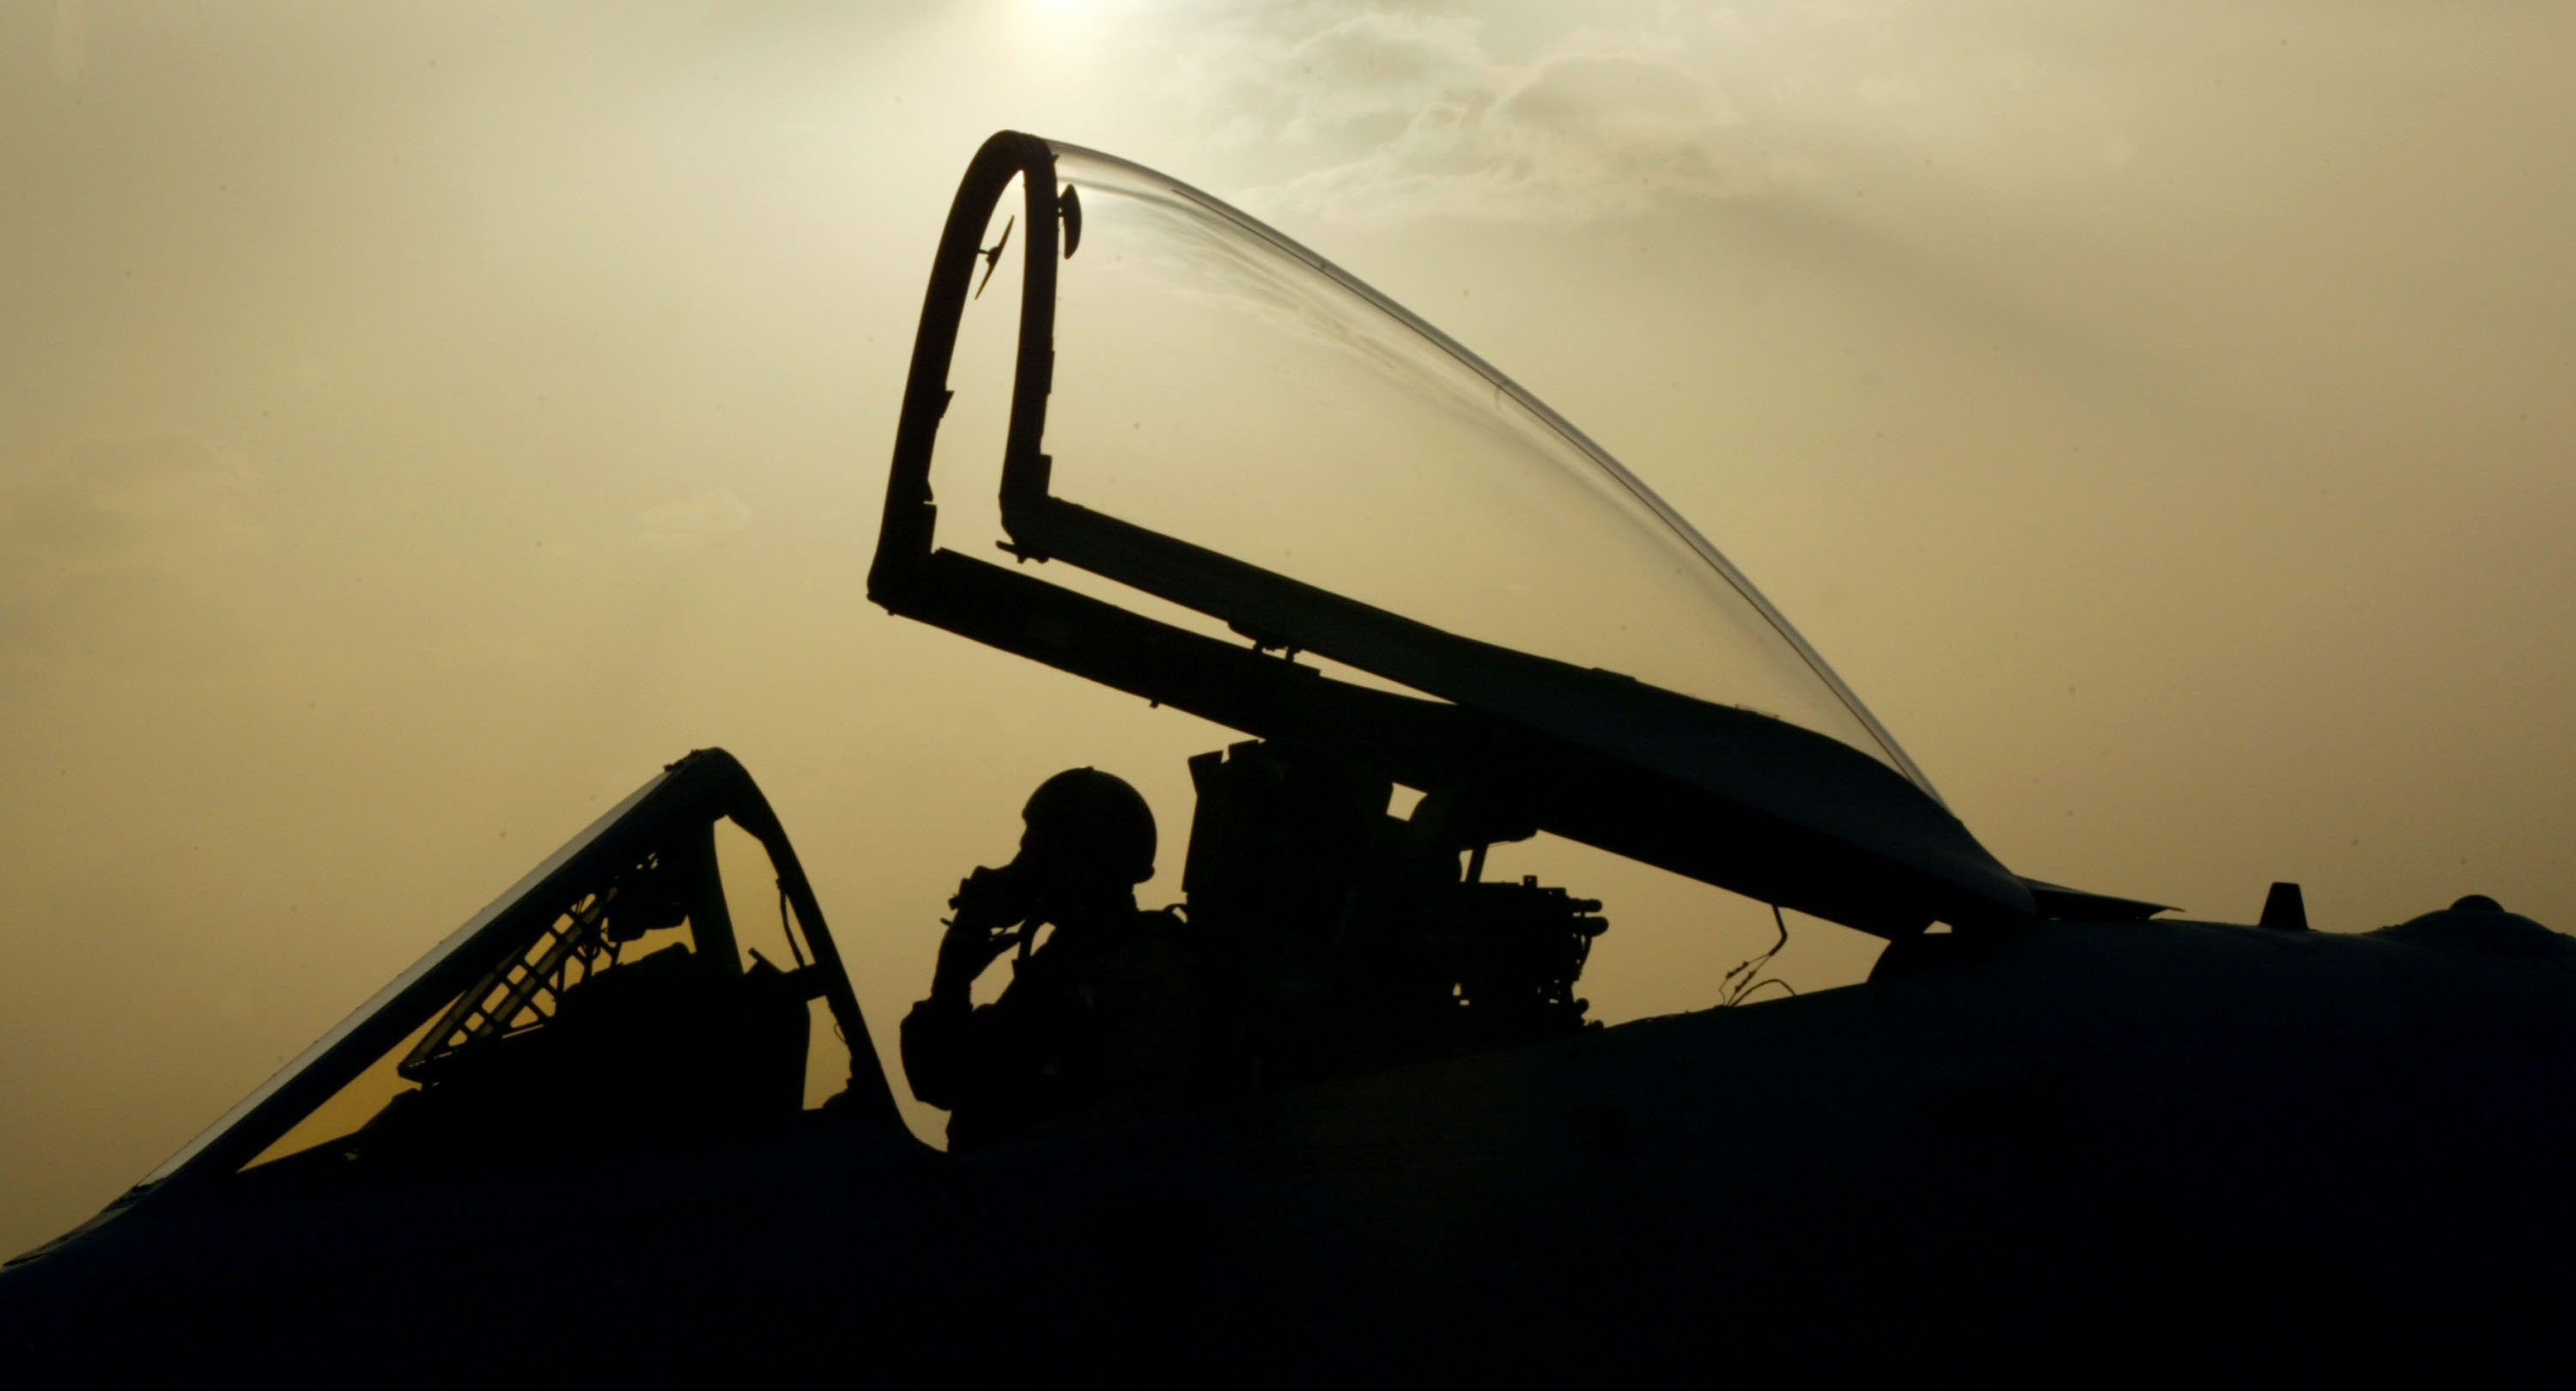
1222	385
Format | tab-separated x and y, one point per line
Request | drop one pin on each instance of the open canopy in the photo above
1236	435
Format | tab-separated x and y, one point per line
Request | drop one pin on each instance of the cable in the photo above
1746	978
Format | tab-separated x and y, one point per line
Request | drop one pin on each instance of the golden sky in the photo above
418	423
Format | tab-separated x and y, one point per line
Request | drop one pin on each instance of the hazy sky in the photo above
418	423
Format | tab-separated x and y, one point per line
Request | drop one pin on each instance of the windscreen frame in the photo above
709	784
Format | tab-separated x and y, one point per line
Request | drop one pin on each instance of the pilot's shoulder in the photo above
1157	956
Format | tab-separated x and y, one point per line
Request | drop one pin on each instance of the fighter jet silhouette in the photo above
2058	1136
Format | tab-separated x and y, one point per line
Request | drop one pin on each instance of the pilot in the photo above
1098	1021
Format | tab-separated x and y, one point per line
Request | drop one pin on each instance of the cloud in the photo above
124	551
693	525
1403	117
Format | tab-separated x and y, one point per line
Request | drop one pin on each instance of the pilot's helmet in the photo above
1092	823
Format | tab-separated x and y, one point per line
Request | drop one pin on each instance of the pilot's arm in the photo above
940	1034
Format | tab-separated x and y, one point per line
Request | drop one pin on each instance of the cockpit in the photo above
1162	449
